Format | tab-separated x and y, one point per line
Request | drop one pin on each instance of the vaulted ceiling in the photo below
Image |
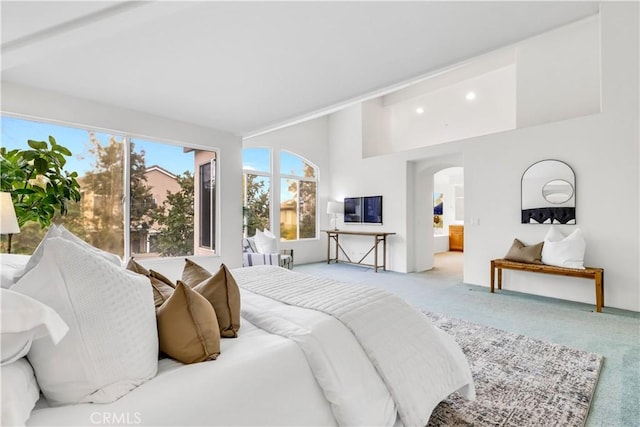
247	66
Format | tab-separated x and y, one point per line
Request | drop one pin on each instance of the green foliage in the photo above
175	218
258	201
38	184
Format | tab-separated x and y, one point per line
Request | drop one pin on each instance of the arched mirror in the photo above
549	193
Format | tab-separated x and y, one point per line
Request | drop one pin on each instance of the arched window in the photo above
298	196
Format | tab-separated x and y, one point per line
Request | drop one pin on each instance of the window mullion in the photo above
126	202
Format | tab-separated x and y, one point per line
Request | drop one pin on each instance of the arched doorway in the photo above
448	222
423	238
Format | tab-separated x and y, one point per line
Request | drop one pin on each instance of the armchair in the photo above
251	256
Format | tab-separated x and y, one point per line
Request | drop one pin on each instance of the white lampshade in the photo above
335	208
8	220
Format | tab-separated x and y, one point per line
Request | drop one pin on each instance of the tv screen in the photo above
372	210
352	209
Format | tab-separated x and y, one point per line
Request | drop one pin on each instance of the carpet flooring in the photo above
520	381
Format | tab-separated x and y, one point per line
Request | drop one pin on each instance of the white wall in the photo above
559	74
353	176
38	104
309	140
602	149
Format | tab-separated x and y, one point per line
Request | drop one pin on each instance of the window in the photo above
297	198
207	186
146	209
298	194
256	188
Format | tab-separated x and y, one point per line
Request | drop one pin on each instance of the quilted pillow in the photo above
523	253
564	251
112	343
23	320
61	231
221	290
187	327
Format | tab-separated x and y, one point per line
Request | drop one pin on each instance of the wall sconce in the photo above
8	219
335	209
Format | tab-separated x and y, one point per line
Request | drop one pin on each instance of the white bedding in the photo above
352	357
419	364
247	385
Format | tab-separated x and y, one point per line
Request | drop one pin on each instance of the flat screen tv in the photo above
363	210
352	209
372	210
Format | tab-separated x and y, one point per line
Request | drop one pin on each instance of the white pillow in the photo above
10	264
37	253
564	251
23	320
61	231
67	235
266	242
112	344
19	392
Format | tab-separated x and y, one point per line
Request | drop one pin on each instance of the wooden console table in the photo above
378	237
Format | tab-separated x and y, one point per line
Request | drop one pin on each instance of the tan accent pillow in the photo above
161	290
522	253
221	290
187	327
192	274
132	265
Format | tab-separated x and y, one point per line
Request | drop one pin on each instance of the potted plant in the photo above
38	183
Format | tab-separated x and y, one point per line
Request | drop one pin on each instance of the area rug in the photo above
520	381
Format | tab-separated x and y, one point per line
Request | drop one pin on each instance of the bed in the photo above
310	351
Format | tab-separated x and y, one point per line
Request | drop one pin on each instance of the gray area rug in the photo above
520	381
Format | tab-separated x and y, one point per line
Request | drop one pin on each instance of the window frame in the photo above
266	174
282	176
212	204
127	138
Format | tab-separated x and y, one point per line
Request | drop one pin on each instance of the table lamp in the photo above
335	208
8	220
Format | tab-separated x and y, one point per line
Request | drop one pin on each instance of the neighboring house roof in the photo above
160	169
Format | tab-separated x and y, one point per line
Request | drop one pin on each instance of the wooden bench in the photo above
588	273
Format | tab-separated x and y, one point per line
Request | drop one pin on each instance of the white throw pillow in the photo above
23	320
61	231
266	242
67	235
20	392
564	251
36	256
10	265
112	344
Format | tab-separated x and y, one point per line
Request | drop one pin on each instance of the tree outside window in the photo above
160	192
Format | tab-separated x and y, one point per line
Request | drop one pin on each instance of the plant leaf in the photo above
40	164
37	145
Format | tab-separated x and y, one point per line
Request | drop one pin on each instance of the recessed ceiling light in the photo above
470	96
419	110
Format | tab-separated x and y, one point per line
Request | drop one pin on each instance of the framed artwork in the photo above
438	219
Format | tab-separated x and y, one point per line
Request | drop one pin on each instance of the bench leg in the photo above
493	273
499	278
599	292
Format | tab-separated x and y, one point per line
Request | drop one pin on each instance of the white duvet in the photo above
419	364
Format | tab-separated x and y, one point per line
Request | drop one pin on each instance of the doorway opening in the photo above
448	222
